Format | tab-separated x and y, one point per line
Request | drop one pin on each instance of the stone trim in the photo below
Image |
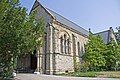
59	54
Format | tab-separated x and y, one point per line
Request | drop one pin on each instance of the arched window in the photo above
78	45
61	44
82	50
65	44
69	47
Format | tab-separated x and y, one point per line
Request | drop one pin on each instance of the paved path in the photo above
53	77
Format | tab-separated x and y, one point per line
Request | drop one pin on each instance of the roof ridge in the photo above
101	32
65	18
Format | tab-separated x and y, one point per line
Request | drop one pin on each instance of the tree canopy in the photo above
94	53
112	55
100	56
20	33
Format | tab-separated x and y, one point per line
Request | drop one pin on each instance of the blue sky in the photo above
98	15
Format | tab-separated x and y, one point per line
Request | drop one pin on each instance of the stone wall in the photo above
64	61
60	31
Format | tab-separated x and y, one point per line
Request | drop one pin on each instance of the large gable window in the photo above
65	44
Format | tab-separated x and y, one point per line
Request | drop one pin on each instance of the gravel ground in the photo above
53	77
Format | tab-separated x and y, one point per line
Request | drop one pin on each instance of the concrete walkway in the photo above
53	77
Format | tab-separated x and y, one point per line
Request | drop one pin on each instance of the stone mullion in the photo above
67	46
63	45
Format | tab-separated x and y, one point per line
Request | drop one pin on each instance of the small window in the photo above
61	44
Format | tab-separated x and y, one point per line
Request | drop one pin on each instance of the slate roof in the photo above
67	22
107	35
104	35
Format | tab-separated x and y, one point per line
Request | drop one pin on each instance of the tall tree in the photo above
19	34
94	53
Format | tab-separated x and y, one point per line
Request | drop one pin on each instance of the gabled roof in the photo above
61	19
67	22
104	35
107	35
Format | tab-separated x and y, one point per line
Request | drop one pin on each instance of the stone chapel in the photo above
64	40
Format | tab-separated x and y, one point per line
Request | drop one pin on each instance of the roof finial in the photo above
118	28
110	27
89	30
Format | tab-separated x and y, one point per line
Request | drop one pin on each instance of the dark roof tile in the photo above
67	22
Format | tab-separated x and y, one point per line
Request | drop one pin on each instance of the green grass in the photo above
80	74
104	74
109	74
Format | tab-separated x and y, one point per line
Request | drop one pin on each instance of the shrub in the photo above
84	67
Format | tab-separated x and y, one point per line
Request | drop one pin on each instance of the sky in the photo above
98	15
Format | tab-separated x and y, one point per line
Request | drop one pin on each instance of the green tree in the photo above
94	53
112	55
19	34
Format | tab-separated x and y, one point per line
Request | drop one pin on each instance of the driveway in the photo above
53	77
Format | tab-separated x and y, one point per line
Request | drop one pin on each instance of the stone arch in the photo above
65	45
62	32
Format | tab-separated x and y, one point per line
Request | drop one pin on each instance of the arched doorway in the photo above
33	61
27	63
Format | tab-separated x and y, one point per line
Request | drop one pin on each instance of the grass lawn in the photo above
104	74
109	74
